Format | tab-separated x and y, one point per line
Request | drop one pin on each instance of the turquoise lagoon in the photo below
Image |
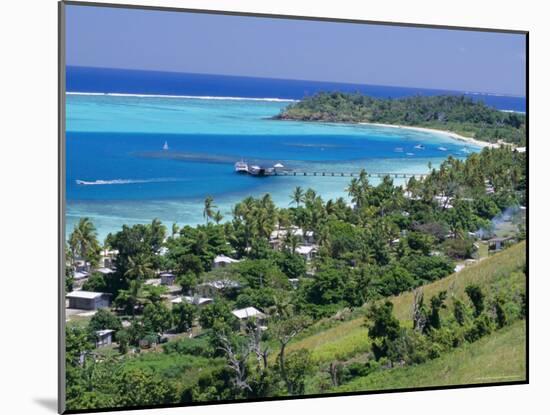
118	172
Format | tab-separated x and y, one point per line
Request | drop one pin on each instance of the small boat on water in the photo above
256	170
410	154
398	149
442	148
165	146
419	147
241	167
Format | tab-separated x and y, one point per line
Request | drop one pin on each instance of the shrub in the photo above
482	326
195	347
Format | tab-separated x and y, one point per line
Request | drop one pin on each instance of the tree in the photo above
130	298
96	283
459	311
157	318
420	242
477	298
437	302
299	365
262	273
297	196
209	206
419	311
142	387
175	229
83	241
236	353
383	328
123	339
103	319
218	217
218	311
183	315
284	330
500	311
293	266
139	268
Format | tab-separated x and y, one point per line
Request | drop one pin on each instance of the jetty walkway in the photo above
347	174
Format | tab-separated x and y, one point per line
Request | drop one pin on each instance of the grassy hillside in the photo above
346	339
499	357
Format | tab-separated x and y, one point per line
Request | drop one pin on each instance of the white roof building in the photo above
192	300
85	295
105	271
222	284
80	275
248	312
305	249
224	260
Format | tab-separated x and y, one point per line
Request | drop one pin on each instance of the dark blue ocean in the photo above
82	79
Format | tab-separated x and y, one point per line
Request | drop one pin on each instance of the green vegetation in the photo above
379	295
499	357
459	114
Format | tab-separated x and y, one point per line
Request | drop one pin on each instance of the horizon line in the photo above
498	94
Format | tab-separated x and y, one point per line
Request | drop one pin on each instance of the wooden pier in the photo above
348	174
278	169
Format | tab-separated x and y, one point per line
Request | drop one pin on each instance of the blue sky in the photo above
292	49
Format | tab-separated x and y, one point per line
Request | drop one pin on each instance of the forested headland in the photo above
455	113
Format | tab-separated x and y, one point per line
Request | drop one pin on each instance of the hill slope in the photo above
499	357
343	340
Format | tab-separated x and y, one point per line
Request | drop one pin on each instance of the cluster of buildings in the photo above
86	302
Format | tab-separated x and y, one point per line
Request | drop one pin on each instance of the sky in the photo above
170	41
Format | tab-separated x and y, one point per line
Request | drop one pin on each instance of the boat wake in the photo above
125	181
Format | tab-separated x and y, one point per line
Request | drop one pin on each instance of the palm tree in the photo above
139	268
291	241
175	229
209	206
83	240
283	219
297	196
355	192
218	217
131	297
264	222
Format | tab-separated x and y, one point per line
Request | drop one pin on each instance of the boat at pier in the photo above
255	169
241	167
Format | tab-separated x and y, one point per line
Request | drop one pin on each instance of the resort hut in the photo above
222	261
211	288
80	275
88	300
306	251
107	258
245	314
167	278
496	244
82	266
196	300
105	271
104	337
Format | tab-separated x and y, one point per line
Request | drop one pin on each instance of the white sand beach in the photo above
455	136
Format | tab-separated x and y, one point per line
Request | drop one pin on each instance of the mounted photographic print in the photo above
259	207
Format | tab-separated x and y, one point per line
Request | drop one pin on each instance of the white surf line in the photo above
203	97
